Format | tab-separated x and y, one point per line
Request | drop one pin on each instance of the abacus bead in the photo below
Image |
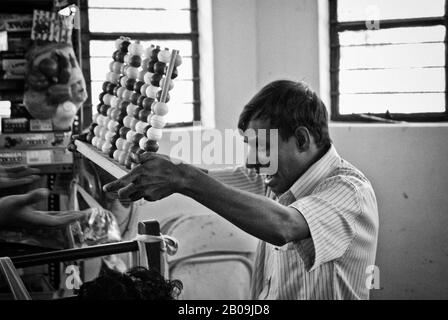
140	100
103	109
113	126
147	77
170	83
117	154
127	121
127	145
134	97
160	108
127	95
155	79
120	92
159	96
143	114
111	151
137	86
116	66
114	139
143	89
151	91
154	134
109	112
159	68
141	74
158	121
123	132
164	56
142	143
145	63
136	138
114	102
109	135
126	58
94	141
147	103
89	137
130	135
130	109
123	81
100	144
174	74
151	146
96	131
136	49
133	123
124	105
103	132
122	157
148	51
135	61
132	72
106	147
130	84
137	112
94	118
119	143
178	60
141	127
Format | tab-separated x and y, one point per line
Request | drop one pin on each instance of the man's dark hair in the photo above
137	284
288	105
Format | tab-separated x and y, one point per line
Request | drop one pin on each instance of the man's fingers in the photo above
125	193
9	183
146	156
54	219
21	169
120	183
33	197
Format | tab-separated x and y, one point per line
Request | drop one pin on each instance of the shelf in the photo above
101	160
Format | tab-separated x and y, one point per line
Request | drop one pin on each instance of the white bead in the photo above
111	66
106	122
154	134
106	146
140	126
100	120
123	81
130	109
97	130
136	49
120	143
127	121
118	43
164	56
114	102
127	95
103	133
145	64
161	108
133	124
107	98
151	92
141	75
112	126
95	117
100	144
158	121
178	61
116	154
130	135
126	58
143	89
95	141
142	143
120	92
132	72
122	157
127	145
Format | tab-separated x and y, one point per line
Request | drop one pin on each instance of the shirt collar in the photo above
315	174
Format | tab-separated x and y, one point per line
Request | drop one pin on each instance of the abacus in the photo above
133	104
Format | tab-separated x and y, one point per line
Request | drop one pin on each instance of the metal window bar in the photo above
336	27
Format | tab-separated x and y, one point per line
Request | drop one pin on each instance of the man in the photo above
318	223
17	210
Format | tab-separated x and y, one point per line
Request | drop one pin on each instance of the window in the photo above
388	60
171	24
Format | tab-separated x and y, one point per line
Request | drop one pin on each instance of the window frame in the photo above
193	36
336	27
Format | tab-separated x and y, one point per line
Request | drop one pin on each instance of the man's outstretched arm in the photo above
158	177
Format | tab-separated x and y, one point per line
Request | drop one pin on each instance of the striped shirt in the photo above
339	205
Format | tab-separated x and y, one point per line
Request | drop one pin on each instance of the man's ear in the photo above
303	138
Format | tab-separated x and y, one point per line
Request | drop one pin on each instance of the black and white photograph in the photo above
223	155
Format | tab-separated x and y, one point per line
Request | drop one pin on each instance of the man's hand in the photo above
18	211
156	177
16	176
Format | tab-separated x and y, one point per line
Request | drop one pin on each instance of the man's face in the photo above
289	161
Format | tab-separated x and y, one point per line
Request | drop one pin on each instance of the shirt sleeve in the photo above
331	213
241	178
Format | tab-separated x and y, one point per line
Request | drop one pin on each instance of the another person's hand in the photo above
156	177
17	211
16	176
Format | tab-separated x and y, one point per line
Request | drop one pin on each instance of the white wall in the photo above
257	41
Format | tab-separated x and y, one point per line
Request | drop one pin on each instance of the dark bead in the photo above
92	126
103	109
89	137
123	131
159	67
174	74
116	89
151	146
101	96
124	105
134	98
110	88
98	107
112	150
151	66
136	138
136	113
135	61
138	85
124	46
154	54
130	84
118	56
155	79
140	101
105	86
114	139
147	103
143	114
